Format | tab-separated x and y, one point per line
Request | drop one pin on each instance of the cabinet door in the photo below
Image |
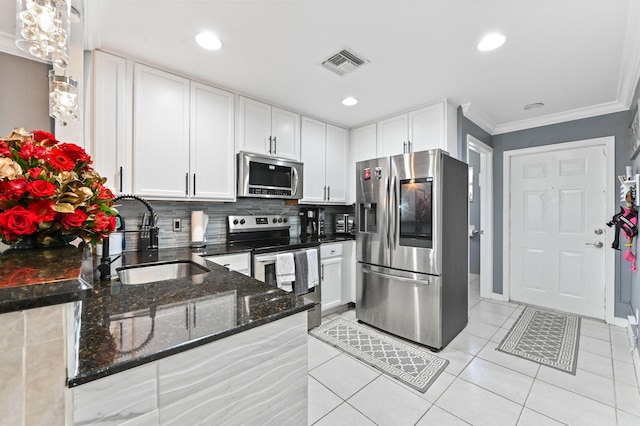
337	153
364	142
331	282
392	136
110	145
426	128
161	133
313	156
349	272
254	126
212	143
239	262
285	131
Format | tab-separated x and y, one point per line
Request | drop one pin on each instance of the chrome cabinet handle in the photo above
328	193
597	244
186	184
269	149
194	184
275	145
404	147
120	178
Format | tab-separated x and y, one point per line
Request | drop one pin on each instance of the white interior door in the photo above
557	241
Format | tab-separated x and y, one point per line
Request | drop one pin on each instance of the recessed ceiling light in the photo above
533	105
491	41
208	40
349	101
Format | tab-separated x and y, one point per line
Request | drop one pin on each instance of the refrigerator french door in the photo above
412	246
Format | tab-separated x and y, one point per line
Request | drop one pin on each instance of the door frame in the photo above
485	177
608	143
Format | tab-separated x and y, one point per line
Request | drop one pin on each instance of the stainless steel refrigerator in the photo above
412	246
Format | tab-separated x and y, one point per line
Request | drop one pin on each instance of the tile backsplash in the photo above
216	232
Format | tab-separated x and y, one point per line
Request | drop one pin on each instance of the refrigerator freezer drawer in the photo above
403	303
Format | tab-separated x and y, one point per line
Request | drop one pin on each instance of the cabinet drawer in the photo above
234	262
330	250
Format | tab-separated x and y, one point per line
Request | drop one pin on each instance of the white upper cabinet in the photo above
212	164
110	134
325	150
363	140
431	127
392	136
183	138
161	133
265	129
337	157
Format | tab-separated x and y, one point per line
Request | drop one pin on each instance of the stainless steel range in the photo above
270	236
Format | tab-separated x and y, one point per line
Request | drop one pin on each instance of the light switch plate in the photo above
177	224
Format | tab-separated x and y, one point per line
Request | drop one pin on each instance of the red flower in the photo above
41	188
13	189
42	210
74	152
35	172
17	221
104	193
104	223
4	149
73	220
60	160
46	138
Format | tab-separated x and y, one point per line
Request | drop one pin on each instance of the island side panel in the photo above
239	379
256	376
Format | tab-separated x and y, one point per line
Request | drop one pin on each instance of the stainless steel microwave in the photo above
268	177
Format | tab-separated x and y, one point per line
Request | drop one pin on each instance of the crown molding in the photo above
479	118
630	72
576	114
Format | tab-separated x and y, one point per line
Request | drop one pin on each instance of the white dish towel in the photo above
312	262
285	270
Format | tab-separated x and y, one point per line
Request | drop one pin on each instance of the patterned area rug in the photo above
548	337
412	366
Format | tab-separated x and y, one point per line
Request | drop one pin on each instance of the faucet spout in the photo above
148	239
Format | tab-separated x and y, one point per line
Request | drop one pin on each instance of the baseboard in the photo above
500	297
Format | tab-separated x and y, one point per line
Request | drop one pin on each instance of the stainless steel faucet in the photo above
147	239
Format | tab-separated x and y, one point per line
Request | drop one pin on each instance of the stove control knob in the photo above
280	220
241	221
235	221
285	220
275	220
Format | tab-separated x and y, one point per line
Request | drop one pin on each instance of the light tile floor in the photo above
482	386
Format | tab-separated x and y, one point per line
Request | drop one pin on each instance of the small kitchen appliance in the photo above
411	245
312	222
345	224
269	236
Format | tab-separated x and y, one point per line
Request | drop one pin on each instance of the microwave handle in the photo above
295	181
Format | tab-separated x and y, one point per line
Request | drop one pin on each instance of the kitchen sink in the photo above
154	272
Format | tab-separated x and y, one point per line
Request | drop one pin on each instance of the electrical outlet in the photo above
177	224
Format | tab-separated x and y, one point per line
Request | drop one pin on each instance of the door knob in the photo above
598	231
597	244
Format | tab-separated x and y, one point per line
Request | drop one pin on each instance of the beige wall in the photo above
24	91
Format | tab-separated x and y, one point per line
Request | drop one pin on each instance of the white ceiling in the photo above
579	57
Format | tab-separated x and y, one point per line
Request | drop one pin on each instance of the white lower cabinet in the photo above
349	272
331	276
240	262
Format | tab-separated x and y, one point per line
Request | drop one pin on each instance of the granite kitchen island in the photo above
216	347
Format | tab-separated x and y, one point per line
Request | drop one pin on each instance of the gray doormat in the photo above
548	337
413	366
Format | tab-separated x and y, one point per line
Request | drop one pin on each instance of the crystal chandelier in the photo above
42	29
63	96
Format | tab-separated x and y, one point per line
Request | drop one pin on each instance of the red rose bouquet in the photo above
49	191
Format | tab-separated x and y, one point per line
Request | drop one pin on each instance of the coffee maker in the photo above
312	222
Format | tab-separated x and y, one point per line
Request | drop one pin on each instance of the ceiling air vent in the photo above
344	62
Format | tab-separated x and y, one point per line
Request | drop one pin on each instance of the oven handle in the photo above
265	259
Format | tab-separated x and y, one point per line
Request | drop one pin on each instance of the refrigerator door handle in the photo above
388	199
393	277
394	213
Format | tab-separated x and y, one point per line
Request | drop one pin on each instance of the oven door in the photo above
264	269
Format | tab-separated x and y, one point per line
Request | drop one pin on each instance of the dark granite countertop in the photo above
43	277
124	326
